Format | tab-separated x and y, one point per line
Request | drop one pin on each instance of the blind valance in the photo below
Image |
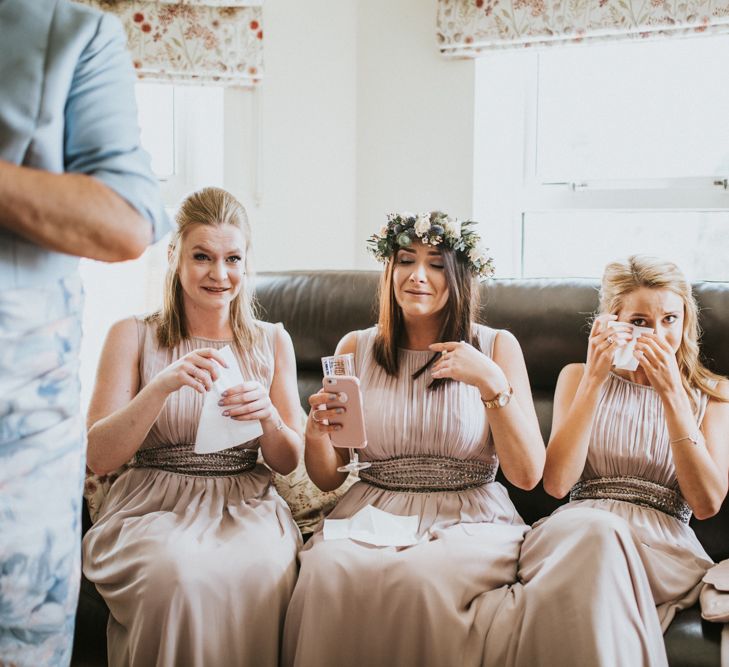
200	41
471	27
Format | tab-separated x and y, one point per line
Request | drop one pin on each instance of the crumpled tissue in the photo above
374	526
214	431
623	356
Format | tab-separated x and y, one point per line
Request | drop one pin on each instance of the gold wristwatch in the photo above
501	400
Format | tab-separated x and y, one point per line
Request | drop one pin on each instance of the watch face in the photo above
503	399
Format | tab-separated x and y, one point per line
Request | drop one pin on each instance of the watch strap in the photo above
498	400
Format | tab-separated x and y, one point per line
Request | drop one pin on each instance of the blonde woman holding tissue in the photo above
639	447
195	553
446	402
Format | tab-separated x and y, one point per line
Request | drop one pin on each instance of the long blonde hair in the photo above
622	278
215	207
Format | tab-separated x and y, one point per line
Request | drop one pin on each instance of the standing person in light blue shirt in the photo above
74	182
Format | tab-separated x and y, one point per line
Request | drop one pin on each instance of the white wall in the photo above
414	118
308	142
360	115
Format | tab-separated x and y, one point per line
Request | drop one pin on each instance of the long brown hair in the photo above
215	207
622	278
458	314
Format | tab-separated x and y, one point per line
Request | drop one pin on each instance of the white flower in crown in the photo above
477	254
453	228
422	224
433	228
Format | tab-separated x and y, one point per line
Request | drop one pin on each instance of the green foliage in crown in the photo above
433	228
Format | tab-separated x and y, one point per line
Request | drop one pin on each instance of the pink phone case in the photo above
349	397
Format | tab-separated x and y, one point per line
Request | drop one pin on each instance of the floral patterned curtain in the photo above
193	41
470	27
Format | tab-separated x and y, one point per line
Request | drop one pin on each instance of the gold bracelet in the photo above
686	437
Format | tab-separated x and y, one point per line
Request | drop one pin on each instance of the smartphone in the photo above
352	434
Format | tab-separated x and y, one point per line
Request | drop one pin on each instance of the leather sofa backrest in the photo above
549	317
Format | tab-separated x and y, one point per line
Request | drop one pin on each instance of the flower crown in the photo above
433	228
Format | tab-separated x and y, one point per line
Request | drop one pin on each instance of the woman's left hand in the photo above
659	363
247	401
464	363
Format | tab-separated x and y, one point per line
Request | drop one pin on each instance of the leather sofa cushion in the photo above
549	318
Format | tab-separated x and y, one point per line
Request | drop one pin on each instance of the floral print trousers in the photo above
42	456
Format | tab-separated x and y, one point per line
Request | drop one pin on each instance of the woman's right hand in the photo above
321	416
197	369
601	346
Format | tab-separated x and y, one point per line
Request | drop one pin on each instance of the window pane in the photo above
113	292
634	111
580	243
156	107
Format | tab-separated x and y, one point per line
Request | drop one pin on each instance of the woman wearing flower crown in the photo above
446	401
638	447
195	553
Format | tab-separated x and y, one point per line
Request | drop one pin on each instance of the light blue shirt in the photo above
67	105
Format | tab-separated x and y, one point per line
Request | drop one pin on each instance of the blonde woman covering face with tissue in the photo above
398	574
638	451
195	553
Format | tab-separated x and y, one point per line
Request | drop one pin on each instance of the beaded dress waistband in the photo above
428	474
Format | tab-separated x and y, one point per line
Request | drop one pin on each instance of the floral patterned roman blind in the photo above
470	27
193	41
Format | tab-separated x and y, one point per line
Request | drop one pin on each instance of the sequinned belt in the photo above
634	490
428	474
183	460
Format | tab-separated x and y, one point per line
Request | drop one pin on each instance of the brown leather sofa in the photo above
548	317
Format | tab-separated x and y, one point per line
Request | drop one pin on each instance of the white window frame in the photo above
520	192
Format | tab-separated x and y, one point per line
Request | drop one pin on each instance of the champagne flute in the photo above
343	364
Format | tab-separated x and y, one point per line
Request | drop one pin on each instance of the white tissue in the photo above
214	431
623	357
373	526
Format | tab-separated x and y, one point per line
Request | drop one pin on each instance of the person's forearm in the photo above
113	440
519	445
322	461
567	448
70	213
701	485
280	444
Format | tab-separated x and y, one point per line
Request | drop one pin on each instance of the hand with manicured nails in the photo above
247	401
464	363
659	363
320	416
601	346
197	369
